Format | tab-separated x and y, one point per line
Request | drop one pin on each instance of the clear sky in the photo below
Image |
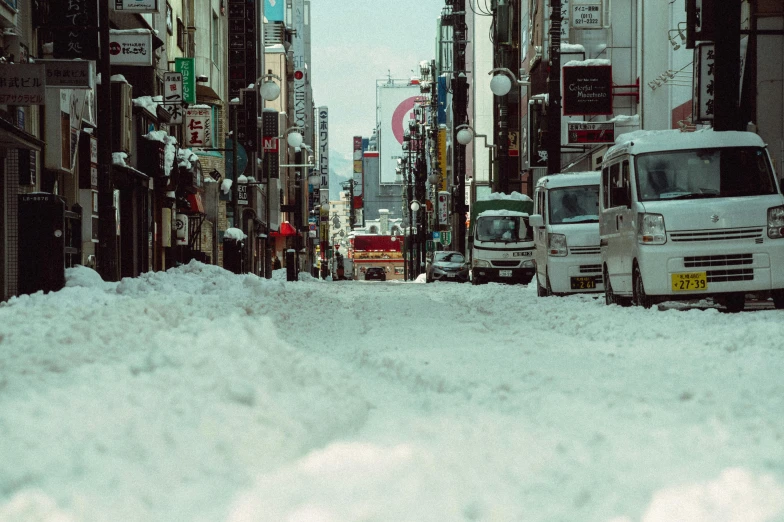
354	43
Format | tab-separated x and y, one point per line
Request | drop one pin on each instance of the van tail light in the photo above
650	229
776	222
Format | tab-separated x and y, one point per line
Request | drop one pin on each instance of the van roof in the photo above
570	179
639	142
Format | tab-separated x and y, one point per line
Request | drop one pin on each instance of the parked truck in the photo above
501	240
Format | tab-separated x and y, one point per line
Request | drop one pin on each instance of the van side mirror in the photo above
536	220
620	197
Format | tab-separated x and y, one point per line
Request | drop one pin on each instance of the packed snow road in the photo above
198	395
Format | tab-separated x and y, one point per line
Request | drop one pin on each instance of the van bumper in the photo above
498	275
561	270
728	268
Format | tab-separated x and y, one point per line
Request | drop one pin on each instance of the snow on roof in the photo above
117	78
503	213
118	158
235	233
132	31
590	62
657	140
226	185
570	179
170	147
186	157
149	103
572	48
514	196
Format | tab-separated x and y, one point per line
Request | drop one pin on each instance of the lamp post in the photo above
414	208
465	135
501	84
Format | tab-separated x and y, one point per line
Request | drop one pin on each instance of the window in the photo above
216	39
169	18
180	34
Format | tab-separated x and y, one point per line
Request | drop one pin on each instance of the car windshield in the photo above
704	173
574	205
450	257
503	228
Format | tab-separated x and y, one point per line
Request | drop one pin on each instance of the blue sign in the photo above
242	159
274	10
436	236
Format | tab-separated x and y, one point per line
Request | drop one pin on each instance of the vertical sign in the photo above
198	122
704	63
323	113
76	29
242	45
172	96
187	68
298	46
358	172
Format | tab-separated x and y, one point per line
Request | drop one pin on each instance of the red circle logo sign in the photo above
115	48
298	75
398	117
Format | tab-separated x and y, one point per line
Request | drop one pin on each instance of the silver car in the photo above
447	266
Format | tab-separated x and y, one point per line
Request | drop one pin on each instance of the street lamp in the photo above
269	90
502	81
465	134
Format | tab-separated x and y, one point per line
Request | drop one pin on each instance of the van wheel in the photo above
734	303
640	297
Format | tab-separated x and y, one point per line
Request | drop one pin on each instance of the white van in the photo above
689	215
566	233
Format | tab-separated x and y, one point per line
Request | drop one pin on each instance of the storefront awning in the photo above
197	206
286	229
12	137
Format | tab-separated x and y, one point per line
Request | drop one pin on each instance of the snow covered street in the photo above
200	395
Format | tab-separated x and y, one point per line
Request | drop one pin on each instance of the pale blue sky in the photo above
354	43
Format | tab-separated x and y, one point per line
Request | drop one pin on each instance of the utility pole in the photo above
727	67
460	108
554	91
107	228
501	164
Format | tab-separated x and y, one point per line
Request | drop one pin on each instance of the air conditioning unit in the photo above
122	117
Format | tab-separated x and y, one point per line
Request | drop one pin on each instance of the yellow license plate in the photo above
582	283
689	282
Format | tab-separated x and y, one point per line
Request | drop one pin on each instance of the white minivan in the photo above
690	215
565	225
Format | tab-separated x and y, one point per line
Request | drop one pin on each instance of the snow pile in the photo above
514	196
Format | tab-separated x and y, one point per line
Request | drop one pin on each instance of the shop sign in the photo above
69	74
181	226
76	32
587	90
136	6
172	96
582	132
443	208
187	67
198	127
242	193
586	16
22	84
131	49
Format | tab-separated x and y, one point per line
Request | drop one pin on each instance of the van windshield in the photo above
574	205
704	173
503	228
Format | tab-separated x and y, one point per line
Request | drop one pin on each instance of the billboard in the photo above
395	107
323	134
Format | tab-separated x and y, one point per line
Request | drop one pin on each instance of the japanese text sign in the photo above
187	67
172	96
131	49
76	35
22	84
198	127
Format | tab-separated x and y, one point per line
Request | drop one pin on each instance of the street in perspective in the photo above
427	260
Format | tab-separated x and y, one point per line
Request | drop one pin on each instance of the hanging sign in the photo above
198	125
69	74
136	6
704	62
187	67
172	96
130	48
586	132
587	90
